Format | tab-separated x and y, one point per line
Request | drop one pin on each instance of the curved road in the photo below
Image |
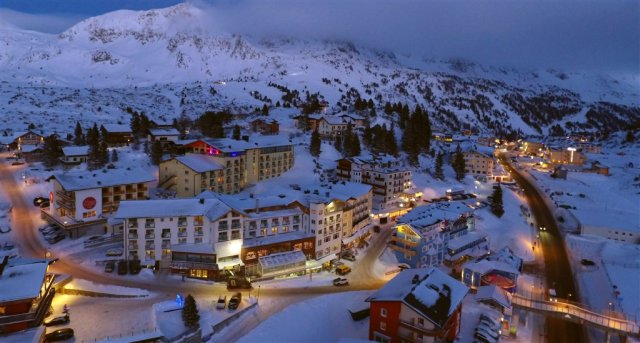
29	243
557	268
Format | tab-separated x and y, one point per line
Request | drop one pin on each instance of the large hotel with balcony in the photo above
231	165
81	201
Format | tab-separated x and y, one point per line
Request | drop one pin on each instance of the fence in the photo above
221	325
103	241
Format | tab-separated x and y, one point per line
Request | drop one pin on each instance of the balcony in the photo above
403	241
150	225
182	234
131	247
36	313
403	250
133	236
182	222
150	236
418	329
166	235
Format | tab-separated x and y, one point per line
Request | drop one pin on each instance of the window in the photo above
274	230
223	236
235	234
383	312
198	240
421	321
198	231
263	232
383	326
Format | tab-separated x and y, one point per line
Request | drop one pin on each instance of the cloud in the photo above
39	22
575	35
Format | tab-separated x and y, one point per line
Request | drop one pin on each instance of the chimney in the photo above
3	264
257	205
415	279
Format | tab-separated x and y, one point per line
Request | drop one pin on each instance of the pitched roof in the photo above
79	180
435	295
199	163
22	279
75	150
161	131
113	128
211	208
495	293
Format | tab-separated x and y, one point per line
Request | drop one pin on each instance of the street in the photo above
557	269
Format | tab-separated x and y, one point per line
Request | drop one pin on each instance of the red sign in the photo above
89	203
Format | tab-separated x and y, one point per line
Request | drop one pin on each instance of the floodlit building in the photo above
389	180
477	163
81	201
26	292
195	237
532	148
74	155
566	156
166	136
418	305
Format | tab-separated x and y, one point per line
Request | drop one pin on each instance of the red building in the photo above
418	305
26	293
265	127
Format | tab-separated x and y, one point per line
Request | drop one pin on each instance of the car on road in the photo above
93	239
122	267
57	321
222	302
134	267
343	270
349	257
114	252
340	282
234	302
44	204
39	200
586	262
17	163
109	266
542	228
553	296
55	238
59	335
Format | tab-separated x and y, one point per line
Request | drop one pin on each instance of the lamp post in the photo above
571	150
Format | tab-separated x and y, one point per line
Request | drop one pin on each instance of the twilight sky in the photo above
601	36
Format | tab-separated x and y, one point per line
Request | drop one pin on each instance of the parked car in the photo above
553	296
586	262
57	321
340	282
343	270
483	337
50	229
110	266
52	232
38	200
134	267
17	163
114	252
59	335
489	332
45	204
122	267
222	302
234	302
53	239
349	257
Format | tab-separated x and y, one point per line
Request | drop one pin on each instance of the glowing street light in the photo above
572	150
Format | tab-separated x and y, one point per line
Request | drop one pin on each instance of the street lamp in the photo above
571	150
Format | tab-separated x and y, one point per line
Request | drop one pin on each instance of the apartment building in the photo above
81	201
166	136
477	163
388	179
195	237
532	148
192	174
418	305
566	156
430	235
74	155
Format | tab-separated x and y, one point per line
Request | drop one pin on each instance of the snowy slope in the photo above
170	58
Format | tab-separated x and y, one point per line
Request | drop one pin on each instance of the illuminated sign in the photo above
89	203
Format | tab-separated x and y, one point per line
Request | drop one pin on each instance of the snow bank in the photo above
84	285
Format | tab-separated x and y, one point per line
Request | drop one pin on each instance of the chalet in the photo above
118	135
418	305
477	163
265	127
74	155
166	136
26	292
31	153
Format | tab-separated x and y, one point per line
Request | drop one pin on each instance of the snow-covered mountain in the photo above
171	61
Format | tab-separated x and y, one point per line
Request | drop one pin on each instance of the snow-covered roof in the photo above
430	214
22	279
485	266
507	256
331	120
279	213
279	238
79	180
247	202
113	128
255	142
199	163
463	240
82	150
343	190
164	132
435	295
282	259
495	293
196	248
29	148
211	208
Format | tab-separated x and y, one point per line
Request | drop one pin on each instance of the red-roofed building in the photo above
418	305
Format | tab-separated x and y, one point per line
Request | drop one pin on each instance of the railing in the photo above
572	311
403	250
150	236
36	316
403	241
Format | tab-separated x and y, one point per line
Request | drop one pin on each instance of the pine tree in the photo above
347	141
114	155
390	142
630	137
314	146
265	110
135	124
51	151
156	153
459	165
372	113
337	143
190	315
496	201
78	138
438	172
236	132
145	125
146	149
94	157
387	108
355	145
103	153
